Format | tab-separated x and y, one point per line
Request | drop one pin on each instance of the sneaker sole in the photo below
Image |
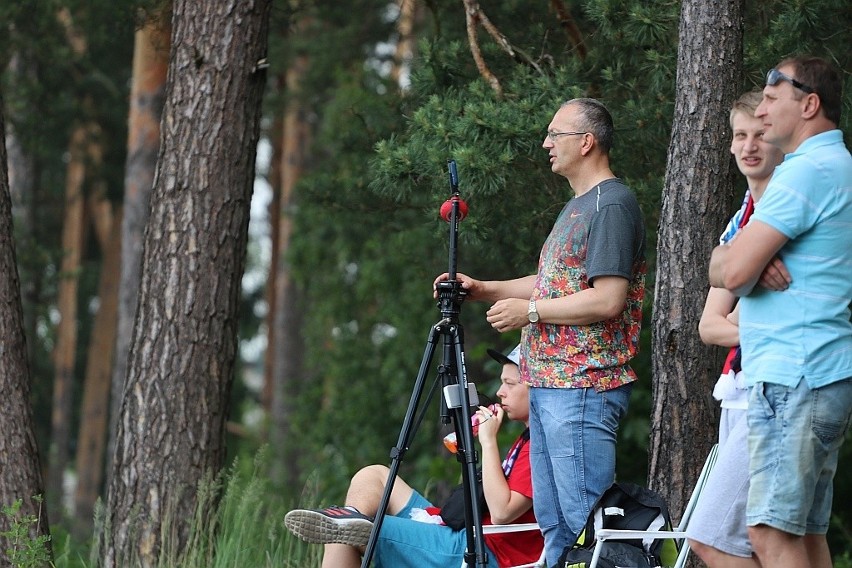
317	528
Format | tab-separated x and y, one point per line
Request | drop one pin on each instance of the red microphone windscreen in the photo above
447	209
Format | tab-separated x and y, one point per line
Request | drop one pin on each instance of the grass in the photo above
246	529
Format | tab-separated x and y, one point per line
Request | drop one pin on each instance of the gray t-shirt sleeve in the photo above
616	241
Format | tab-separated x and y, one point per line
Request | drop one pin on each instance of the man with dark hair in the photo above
580	317
717	530
796	341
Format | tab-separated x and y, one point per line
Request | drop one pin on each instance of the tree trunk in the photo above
20	471
696	198
65	352
147	93
405	44
23	175
91	440
274	211
288	348
171	426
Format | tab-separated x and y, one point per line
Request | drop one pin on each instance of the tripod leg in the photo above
467	454
403	442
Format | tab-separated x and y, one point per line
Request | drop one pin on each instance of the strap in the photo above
509	462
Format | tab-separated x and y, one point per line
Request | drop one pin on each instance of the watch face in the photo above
532	313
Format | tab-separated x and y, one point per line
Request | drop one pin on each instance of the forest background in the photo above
363	103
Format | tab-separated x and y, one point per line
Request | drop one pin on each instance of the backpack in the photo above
624	506
452	511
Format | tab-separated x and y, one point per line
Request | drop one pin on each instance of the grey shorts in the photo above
719	519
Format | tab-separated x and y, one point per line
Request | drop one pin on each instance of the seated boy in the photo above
404	541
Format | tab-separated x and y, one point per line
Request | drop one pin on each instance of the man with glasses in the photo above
797	340
579	318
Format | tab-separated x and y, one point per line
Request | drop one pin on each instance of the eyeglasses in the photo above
775	75
554	135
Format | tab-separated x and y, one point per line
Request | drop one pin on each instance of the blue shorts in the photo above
404	542
795	434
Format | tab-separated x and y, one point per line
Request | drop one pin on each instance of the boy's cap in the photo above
513	356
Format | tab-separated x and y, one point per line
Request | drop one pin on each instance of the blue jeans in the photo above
572	452
795	435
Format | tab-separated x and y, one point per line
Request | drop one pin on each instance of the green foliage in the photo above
24	550
238	522
368	241
48	89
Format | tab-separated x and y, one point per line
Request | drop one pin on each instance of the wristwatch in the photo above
532	313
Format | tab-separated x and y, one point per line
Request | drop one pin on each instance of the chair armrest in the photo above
519	527
621	534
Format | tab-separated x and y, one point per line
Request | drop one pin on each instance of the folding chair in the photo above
519	527
677	534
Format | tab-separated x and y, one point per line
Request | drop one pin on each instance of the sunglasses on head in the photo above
774	76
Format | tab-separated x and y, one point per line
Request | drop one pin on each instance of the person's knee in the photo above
371	474
703	551
765	539
757	535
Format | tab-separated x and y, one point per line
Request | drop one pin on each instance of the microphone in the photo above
447	208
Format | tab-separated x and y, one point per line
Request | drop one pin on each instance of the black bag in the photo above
614	555
452	511
624	506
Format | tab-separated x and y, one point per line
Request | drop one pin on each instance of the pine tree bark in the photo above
24	187
696	198
171	426
20	470
147	96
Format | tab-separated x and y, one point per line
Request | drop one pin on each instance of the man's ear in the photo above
811	106
589	142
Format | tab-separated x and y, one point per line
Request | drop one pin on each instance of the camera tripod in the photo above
459	395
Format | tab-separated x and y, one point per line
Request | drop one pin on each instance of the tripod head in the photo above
453	210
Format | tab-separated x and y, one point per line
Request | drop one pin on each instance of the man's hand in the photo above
506	315
471	286
775	276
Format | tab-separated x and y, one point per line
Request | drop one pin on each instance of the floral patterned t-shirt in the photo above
600	233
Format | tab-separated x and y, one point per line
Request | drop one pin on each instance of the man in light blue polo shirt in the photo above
796	335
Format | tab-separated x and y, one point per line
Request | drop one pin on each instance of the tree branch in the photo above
473	14
570	26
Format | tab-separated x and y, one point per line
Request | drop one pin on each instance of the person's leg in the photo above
405	543
717	530
795	437
341	556
818	552
715	558
545	490
345	537
399	537
572	452
367	487
778	549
